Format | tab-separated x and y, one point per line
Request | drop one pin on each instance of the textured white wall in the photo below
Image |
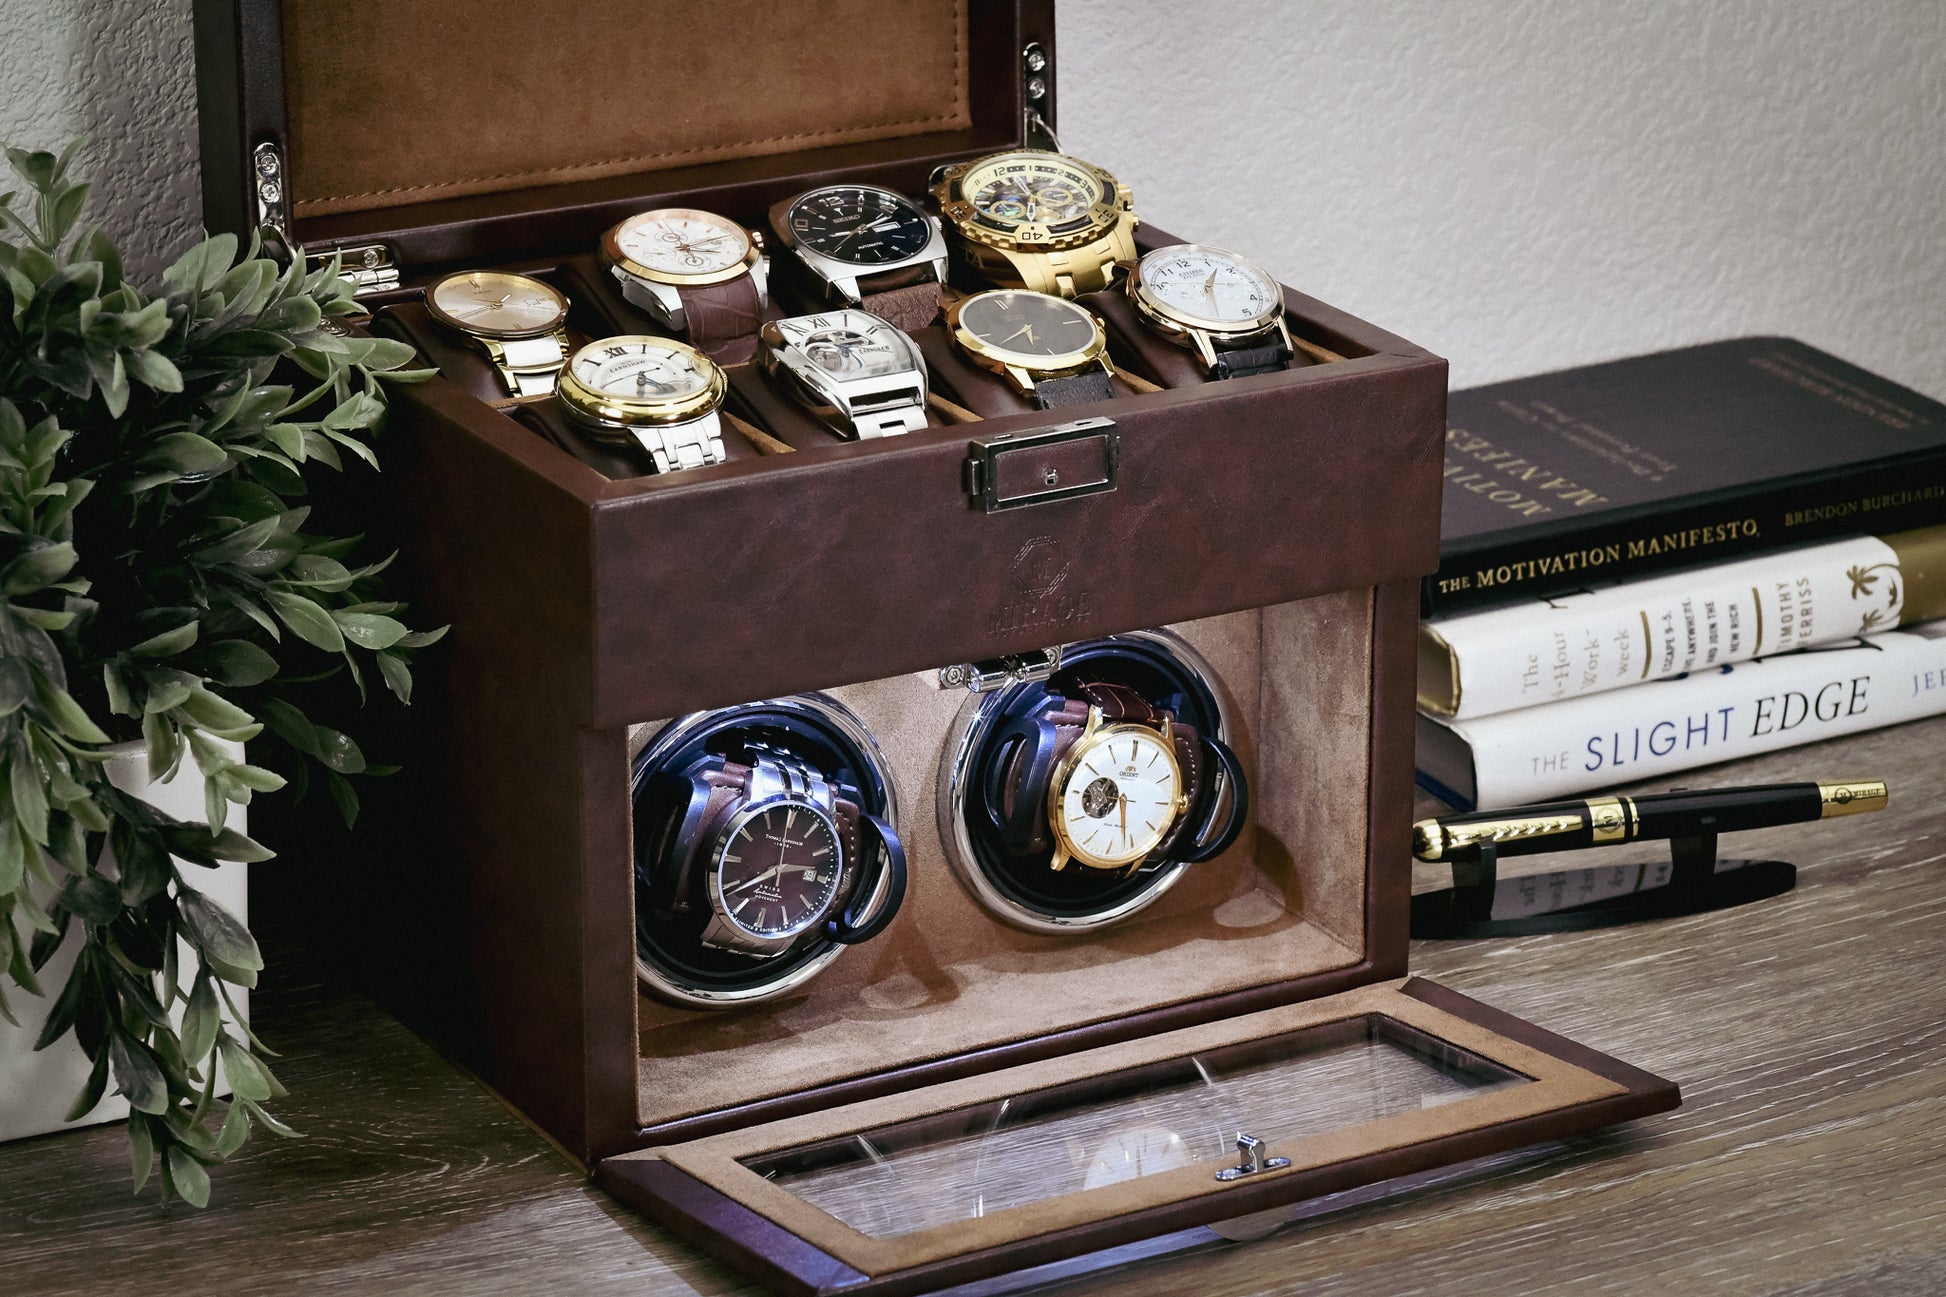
1518	184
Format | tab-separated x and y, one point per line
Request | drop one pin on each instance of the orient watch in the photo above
516	320
868	247
697	274
1053	352
661	394
775	853
1106	781
853	370
1221	306
1039	220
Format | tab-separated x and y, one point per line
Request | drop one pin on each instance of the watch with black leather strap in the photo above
1222	308
517	321
1033	219
867	247
1106	780
697	274
1052	351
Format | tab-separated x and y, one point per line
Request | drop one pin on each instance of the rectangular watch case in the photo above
1023	1097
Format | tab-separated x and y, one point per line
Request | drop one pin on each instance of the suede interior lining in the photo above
717	1161
947	978
392	103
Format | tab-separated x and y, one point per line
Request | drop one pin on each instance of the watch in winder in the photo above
662	395
1028	218
697	274
866	246
859	375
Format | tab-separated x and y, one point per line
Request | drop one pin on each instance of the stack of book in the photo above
1664	562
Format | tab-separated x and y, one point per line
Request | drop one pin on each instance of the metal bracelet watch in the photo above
662	395
1032	219
861	376
1221	306
1052	351
867	247
697	274
516	320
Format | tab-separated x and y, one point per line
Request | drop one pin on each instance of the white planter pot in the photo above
36	1089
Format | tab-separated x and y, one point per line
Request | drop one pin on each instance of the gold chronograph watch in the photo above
1038	220
516	320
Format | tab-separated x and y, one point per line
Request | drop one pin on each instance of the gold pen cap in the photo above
1428	843
1851	796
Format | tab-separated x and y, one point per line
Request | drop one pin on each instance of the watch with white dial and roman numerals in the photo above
1223	307
861	376
1033	219
1052	351
868	247
661	394
516	320
699	275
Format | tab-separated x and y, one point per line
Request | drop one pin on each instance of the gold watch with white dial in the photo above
697	274
661	394
516	320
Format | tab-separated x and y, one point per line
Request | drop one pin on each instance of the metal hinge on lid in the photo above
1036	94
370	266
984	676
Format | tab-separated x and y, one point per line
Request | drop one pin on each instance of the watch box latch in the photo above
370	266
1011	470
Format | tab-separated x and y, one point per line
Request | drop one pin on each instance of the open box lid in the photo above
436	133
1034	1163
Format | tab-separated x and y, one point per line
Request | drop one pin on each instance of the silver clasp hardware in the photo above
1254	1160
985	676
1011	470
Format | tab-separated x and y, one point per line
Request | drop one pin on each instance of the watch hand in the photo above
1027	329
764	877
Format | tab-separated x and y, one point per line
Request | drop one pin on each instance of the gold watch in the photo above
1054	352
516	320
1033	219
661	394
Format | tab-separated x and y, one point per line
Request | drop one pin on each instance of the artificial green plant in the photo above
163	579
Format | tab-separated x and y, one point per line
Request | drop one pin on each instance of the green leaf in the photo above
168	643
191	1180
141	1149
398	676
368	630
200	1019
423	638
167	695
346	798
236	1129
187	454
307	620
339	751
67	1005
237	663
216	932
153	370
13	858
248	1079
164	746
217	715
66	713
138	1075
199	269
256	778
36	569
92	898
245	977
91	1093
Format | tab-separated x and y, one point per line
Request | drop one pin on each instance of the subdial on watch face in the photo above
1210	284
849	344
641	371
1027	323
1120	797
779	870
682	241
1038	189
496	304
860	224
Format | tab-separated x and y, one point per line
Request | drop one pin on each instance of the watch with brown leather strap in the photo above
1107	780
699	275
868	247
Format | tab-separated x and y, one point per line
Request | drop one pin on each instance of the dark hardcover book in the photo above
1685	457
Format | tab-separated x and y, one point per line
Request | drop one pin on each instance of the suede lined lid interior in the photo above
393	103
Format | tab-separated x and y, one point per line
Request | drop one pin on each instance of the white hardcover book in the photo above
1667	726
1546	651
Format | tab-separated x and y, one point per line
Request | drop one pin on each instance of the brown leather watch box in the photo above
1279	524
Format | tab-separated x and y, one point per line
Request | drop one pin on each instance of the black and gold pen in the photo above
1608	821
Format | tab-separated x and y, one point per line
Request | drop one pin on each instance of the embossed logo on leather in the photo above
1038	590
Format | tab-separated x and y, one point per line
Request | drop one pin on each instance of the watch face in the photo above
1120	796
850	344
1030	188
1030	328
641	369
496	304
861	224
1210	286
681	242
778	870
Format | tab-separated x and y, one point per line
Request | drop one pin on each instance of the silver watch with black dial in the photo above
862	377
868	247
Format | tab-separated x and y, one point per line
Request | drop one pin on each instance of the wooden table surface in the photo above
1808	1034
